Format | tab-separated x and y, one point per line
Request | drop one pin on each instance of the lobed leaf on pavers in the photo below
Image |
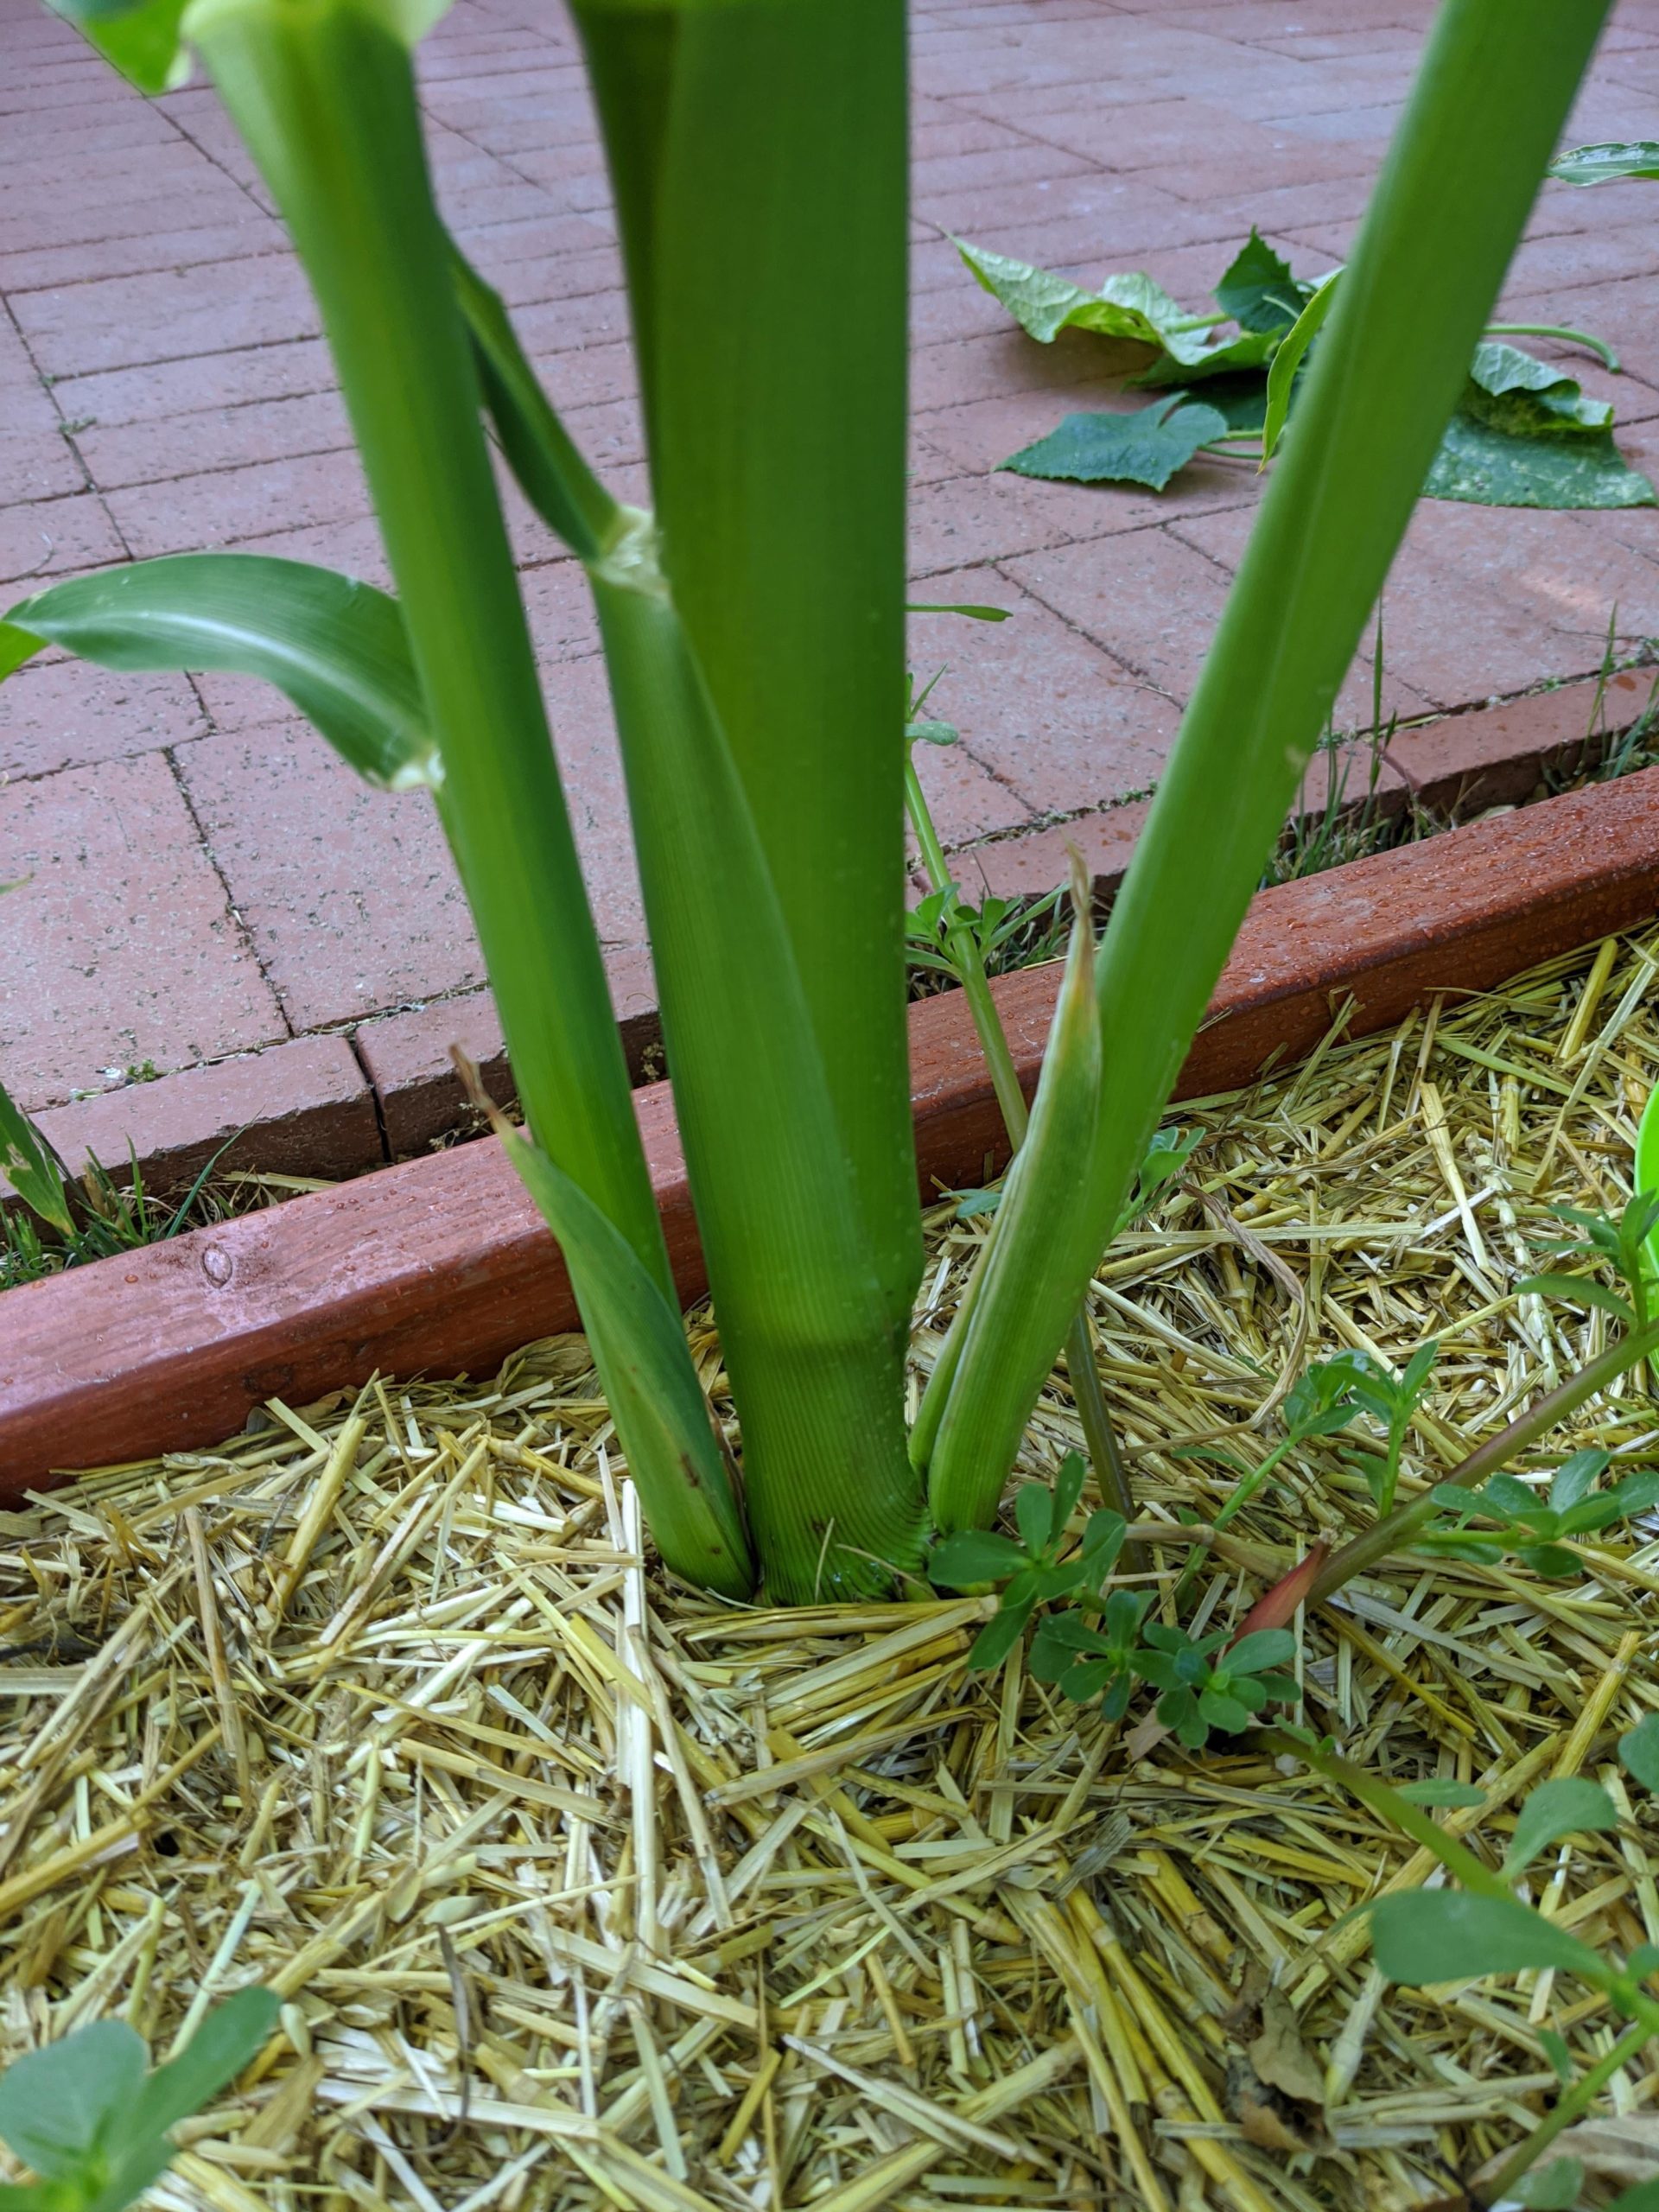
1146	447
1524	435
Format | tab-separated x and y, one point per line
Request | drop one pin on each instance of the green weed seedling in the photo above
90	2121
1033	1568
1520	1522
1428	1936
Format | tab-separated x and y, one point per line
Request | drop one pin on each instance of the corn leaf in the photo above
1146	447
1607	164
1026	1290
336	648
639	1342
759	157
1490	96
139	37
324	95
27	1164
540	452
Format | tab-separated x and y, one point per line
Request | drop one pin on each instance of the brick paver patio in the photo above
206	881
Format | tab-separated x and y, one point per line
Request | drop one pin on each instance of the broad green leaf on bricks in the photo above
1638	1752
1129	306
1145	448
336	648
1431	1935
1570	1806
655	1401
141	38
1258	290
1524	435
28	1165
1607	164
69	2102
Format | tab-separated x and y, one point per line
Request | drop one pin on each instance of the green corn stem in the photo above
1034	1256
1567	336
1491	95
322	92
1397	1529
759	158
817	1370
961	949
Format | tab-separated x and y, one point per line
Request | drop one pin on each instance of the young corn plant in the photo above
753	627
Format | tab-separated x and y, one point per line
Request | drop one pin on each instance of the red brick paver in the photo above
205	879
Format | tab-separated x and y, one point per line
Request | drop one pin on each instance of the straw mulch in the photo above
582	1892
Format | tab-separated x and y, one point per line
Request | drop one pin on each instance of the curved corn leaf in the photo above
1025	1289
335	647
639	1345
1607	164
551	472
141	38
1288	358
27	1164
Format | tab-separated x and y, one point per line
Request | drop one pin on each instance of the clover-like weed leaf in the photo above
1432	1935
1638	1752
1565	1807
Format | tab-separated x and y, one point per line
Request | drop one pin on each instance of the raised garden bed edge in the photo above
441	1265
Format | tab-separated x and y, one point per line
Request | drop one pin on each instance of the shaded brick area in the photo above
211	893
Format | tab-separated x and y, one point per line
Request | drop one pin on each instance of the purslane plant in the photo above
753	629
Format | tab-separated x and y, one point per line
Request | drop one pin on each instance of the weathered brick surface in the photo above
207	878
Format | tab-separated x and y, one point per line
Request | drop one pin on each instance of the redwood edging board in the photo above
442	1265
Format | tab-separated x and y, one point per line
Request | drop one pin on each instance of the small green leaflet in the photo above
1567	1807
1606	164
1432	1935
1552	2188
92	2123
1144	447
1524	435
1258	291
1638	1752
